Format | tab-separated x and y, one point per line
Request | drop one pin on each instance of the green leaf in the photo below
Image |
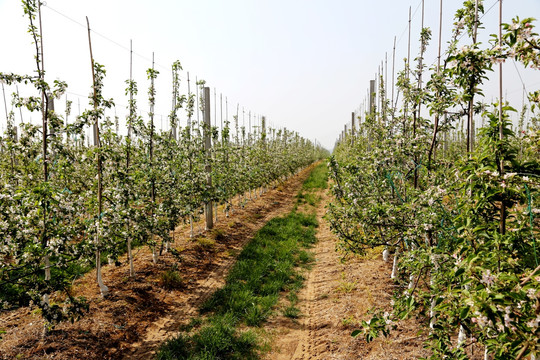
464	312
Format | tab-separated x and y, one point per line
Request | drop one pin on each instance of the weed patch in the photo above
205	244
218	339
171	279
291	312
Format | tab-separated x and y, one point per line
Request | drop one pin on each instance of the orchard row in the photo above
459	214
65	205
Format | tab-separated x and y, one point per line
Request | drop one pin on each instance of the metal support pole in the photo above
372	97
207	149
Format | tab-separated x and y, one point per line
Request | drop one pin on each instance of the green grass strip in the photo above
217	339
317	179
266	267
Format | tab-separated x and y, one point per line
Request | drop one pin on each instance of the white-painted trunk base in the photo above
102	287
394	266
432	314
47	268
461	336
130	259
411	281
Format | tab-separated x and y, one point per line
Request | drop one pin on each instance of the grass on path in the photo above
266	268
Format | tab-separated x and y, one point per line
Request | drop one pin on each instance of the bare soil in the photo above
139	314
338	294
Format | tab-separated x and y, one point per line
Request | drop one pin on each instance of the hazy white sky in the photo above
304	64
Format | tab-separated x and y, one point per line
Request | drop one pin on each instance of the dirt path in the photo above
140	314
186	307
336	297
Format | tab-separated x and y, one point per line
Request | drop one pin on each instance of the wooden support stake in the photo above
393	73
385	97
102	287
5	103
501	127
406	112
50	107
197	99
432	148
20	109
221	111
175	95
263	129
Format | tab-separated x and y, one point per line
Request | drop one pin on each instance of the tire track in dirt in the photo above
337	294
316	284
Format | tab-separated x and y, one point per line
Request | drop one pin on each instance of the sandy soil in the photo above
338	294
140	314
